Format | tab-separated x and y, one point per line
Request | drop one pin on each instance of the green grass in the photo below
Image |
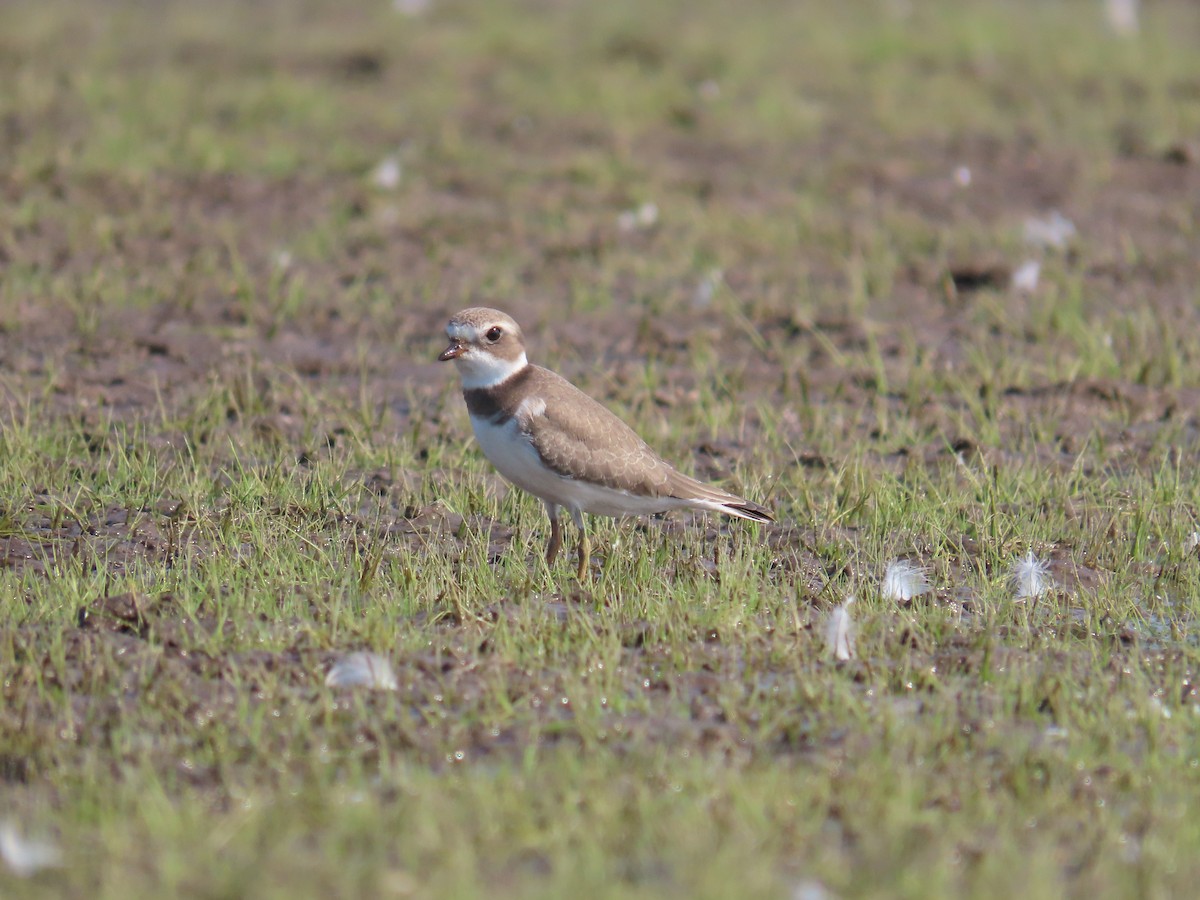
227	458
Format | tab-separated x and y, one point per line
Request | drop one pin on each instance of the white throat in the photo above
480	369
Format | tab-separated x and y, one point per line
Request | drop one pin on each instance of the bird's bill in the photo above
454	351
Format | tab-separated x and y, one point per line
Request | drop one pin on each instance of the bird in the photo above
551	439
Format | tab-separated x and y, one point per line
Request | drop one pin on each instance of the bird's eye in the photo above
493	334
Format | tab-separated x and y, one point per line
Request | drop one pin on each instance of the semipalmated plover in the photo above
545	435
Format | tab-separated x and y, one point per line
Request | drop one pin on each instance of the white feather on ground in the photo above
1025	278
387	174
26	856
1030	577
1055	231
811	889
369	670
839	631
903	580
643	218
1122	16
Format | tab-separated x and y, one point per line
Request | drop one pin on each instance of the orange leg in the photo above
555	544
585	546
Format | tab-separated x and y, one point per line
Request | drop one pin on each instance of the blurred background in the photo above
784	159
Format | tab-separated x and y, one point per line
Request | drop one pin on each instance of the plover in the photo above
549	438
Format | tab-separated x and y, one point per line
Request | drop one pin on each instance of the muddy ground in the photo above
110	369
843	298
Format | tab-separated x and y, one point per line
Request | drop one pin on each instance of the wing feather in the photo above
564	434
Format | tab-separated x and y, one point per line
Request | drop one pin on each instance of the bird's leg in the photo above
555	544
585	546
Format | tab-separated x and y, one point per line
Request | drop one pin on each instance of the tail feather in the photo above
744	509
702	496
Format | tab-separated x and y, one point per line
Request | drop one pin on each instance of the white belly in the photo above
513	455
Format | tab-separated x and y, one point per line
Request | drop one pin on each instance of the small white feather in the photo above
1122	16
640	219
530	408
839	631
369	670
26	856
811	889
1030	577
903	580
1025	278
387	174
1055	231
